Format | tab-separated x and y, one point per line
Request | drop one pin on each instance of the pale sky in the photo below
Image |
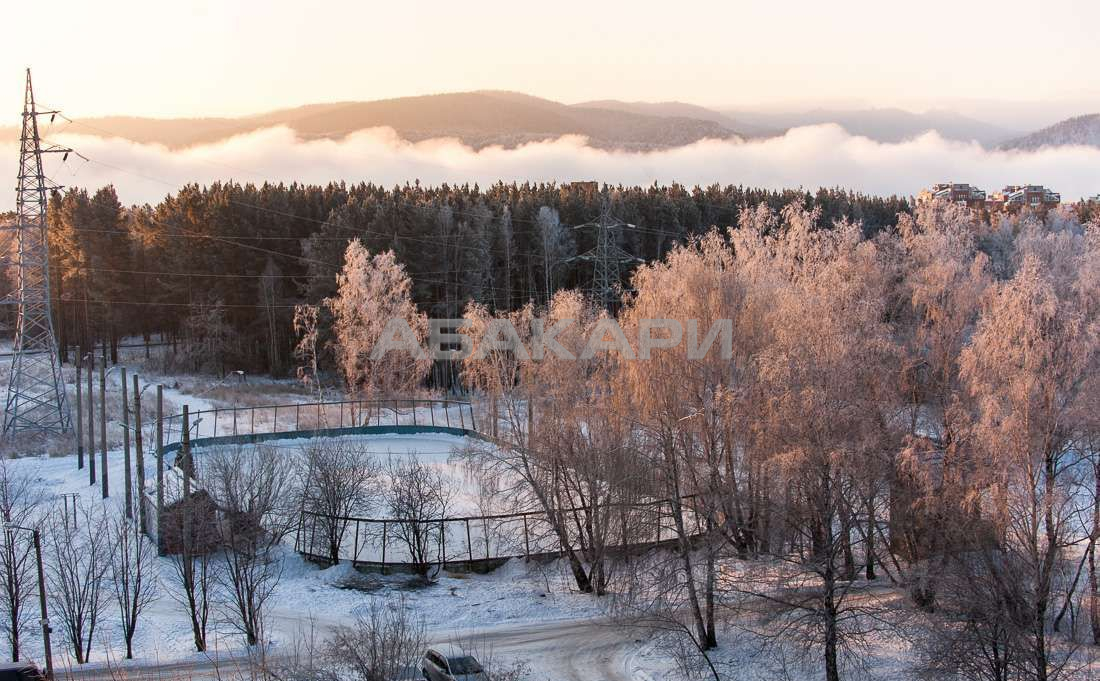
230	57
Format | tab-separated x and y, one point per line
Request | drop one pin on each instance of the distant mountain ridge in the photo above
509	119
1079	130
887	125
478	119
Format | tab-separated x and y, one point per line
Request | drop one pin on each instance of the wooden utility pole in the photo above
103	425
79	412
42	605
139	456
127	471
160	464
185	451
91	422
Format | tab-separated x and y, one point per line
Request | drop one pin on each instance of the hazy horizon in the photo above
204	58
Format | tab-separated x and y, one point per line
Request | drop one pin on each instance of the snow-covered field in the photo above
516	593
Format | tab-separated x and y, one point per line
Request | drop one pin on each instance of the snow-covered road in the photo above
570	650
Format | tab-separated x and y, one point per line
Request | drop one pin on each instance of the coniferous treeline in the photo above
220	268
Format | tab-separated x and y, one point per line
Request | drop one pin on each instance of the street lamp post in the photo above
45	620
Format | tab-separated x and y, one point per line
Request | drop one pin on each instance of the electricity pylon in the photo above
36	391
607	259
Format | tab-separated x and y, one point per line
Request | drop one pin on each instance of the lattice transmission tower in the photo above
36	391
607	259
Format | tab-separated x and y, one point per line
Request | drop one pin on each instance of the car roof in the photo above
449	651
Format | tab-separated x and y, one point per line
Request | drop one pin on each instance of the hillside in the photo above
683	110
479	119
883	125
1080	130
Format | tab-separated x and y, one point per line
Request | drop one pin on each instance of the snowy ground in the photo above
515	594
522	612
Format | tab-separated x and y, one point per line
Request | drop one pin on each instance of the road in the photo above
575	650
570	650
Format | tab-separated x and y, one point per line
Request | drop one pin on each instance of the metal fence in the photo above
457	541
303	418
402	543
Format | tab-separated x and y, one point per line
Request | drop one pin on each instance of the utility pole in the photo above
42	600
103	425
91	421
127	469
36	400
607	260
160	457
139	456
45	615
79	412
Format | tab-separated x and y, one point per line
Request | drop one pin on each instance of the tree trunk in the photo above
870	572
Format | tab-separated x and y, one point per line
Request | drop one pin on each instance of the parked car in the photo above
451	665
20	671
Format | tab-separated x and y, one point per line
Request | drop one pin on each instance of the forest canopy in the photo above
220	269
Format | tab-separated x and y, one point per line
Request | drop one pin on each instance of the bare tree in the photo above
340	481
21	497
418	497
190	528
133	572
79	562
384	643
562	447
254	490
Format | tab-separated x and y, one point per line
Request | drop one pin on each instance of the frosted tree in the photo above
1033	368
556	244
375	293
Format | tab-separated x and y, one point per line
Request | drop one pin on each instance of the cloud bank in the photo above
809	157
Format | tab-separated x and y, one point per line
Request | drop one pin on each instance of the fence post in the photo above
298	533
526	540
234	420
473	426
443	542
414	412
384	528
432	408
396	415
297	415
461	418
355	544
469	542
275	421
214	428
447	412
